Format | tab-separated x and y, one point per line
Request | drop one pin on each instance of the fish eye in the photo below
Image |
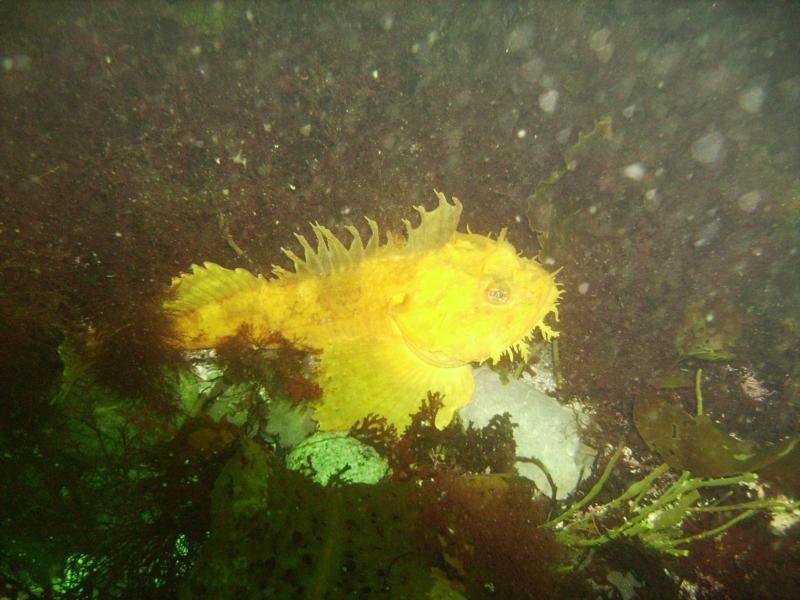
497	293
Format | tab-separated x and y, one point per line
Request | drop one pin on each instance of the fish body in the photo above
390	321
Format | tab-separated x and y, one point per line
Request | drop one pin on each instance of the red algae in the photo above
487	529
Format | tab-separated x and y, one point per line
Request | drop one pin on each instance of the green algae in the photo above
654	510
278	534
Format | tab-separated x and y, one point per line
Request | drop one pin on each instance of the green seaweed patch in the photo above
276	533
694	442
209	18
655	509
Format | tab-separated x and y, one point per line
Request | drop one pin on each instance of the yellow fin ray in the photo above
213	302
209	283
384	377
331	256
435	227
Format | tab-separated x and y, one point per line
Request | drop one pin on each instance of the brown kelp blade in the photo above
694	443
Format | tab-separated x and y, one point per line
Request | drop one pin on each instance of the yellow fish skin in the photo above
390	322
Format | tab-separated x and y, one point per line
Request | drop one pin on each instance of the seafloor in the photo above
140	137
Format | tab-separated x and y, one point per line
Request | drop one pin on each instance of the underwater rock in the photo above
334	454
546	430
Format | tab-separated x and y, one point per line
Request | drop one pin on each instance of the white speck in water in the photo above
628	111
583	288
548	101
752	99
532	70
521	133
749	202
709	148
305	130
634	171
600	42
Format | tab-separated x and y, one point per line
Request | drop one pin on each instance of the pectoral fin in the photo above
384	377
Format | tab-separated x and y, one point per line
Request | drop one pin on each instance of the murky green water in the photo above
647	151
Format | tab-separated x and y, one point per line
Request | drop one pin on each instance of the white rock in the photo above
546	430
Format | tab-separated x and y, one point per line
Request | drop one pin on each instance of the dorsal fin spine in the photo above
331	255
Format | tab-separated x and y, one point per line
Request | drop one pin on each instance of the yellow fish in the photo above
390	321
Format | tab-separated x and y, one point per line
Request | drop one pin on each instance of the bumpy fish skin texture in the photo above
390	321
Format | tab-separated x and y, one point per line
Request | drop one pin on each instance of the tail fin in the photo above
212	303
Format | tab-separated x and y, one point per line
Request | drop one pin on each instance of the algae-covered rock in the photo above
334	454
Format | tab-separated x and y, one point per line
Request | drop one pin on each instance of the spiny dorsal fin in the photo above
435	227
331	256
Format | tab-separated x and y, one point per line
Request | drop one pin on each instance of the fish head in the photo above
474	299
